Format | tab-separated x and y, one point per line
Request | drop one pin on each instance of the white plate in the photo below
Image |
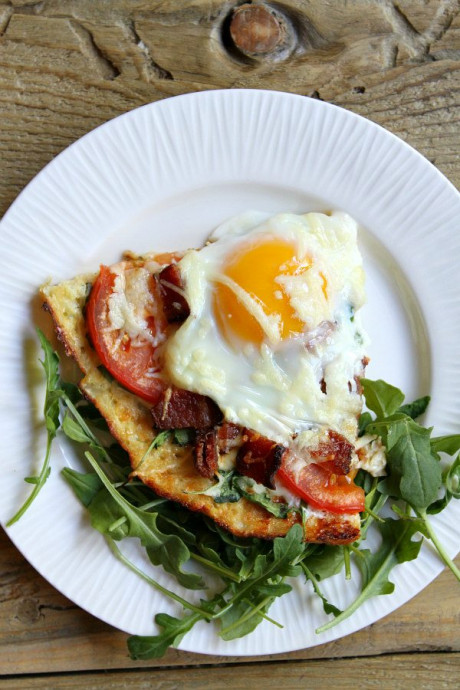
162	177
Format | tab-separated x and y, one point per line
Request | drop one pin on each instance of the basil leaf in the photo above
258	493
381	397
452	478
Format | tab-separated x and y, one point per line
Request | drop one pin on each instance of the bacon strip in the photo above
181	409
210	443
259	458
206	453
335	450
228	436
175	305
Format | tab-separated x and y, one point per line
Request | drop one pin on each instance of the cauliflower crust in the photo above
169	469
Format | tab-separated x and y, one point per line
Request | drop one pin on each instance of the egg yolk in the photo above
255	267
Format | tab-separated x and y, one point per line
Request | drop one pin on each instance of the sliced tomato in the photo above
137	366
318	486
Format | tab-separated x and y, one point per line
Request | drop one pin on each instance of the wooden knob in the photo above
258	30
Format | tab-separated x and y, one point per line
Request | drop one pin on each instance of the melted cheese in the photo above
131	304
277	389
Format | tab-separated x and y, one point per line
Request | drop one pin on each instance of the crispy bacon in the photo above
210	443
259	458
335	450
228	436
181	409
175	305
206	453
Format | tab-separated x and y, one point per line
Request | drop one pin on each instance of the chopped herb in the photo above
258	493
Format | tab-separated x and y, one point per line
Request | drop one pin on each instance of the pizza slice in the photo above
250	351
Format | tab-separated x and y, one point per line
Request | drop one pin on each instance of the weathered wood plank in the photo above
423	671
42	632
67	66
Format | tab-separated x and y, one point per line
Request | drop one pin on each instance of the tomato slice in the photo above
135	364
321	488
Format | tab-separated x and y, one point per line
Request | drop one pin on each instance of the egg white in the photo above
276	388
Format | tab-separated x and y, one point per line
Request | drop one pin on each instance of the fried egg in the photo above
273	336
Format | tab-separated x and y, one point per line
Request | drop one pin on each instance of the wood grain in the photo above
393	671
67	66
42	632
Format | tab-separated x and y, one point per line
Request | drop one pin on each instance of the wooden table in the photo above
66	66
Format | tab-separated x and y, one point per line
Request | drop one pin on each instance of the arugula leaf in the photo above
415	474
446	444
115	516
327	606
451	482
85	486
253	570
416	408
50	364
381	397
246	607
364	419
258	493
397	547
325	562
74	431
155	646
280	561
245	615
429	531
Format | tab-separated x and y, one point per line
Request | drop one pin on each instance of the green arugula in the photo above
115	516
50	364
240	607
381	397
397	547
252	572
451	482
414	471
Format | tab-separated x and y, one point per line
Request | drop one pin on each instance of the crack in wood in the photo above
93	52
418	44
147	67
56	607
5	18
